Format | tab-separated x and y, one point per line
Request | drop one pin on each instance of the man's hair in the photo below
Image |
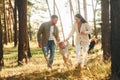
54	16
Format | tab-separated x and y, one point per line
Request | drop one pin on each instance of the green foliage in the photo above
37	11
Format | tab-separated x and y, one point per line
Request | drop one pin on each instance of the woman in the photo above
82	30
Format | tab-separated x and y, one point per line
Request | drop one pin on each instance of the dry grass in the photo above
36	68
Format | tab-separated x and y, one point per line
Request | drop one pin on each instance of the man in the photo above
46	36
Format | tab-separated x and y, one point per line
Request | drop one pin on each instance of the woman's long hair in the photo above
81	18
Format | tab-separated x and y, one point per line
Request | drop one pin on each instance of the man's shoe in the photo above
46	57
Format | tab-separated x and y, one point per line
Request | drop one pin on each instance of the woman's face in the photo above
77	20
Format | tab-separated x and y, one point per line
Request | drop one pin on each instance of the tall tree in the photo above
85	8
1	35
71	15
23	36
94	7
105	29
60	20
48	7
1	44
53	6
6	30
29	27
115	39
15	24
29	55
10	24
29	7
78	1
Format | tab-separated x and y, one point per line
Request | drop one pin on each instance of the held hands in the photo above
82	33
58	40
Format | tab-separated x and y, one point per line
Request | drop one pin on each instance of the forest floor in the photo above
36	68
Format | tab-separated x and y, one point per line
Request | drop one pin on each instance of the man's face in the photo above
54	21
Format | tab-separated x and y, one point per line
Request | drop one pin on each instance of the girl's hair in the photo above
81	18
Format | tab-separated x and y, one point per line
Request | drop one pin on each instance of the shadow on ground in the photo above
48	75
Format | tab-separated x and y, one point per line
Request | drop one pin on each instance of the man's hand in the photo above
58	40
40	45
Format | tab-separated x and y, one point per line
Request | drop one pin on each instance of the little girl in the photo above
64	52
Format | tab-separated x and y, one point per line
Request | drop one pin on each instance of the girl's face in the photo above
77	20
62	45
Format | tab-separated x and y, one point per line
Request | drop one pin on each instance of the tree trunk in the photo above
53	6
85	8
60	21
71	11
23	36
6	31
105	29
9	26
29	55
78	6
15	24
1	45
48	7
10	20
115	39
30	28
1	34
94	17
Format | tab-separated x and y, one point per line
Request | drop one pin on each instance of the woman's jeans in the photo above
81	53
49	51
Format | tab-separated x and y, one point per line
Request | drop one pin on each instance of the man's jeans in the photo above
49	51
